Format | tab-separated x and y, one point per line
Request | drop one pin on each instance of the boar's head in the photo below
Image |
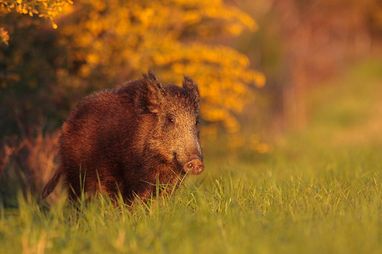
175	133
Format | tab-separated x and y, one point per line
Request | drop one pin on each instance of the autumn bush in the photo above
101	44
47	9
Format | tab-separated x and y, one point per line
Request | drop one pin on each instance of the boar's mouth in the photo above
177	163
194	166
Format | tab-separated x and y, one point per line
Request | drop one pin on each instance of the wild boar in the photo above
128	139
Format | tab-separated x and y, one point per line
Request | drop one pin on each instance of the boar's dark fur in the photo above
128	139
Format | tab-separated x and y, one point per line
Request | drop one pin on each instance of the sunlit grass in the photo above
332	206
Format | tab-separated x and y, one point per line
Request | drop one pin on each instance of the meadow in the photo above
318	191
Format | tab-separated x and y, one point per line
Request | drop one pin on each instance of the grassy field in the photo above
319	191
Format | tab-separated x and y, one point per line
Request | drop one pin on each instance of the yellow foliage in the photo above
173	37
4	36
47	9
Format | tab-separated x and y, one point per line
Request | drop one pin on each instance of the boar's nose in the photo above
194	166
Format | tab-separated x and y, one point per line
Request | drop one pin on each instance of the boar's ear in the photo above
192	90
150	76
154	92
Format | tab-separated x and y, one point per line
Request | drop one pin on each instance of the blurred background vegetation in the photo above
256	63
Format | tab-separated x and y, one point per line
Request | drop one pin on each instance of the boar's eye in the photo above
197	121
170	119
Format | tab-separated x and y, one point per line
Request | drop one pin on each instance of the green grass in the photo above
311	195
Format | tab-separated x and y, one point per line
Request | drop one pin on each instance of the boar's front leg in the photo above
162	180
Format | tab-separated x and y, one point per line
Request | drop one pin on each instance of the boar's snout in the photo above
195	166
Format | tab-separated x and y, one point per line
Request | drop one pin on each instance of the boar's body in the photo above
127	140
